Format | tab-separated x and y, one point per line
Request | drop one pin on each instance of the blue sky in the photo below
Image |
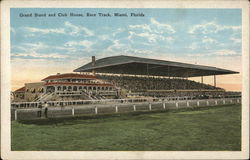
170	34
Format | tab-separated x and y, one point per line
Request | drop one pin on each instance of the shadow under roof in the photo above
145	66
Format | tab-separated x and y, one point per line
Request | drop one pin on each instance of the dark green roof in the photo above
145	66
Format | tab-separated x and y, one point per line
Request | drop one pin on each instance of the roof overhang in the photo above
144	66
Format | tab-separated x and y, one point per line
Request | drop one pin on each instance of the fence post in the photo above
207	103
231	100
15	114
238	100
187	103
224	102
149	106
96	110
216	103
198	103
73	111
116	109
134	107
176	104
164	106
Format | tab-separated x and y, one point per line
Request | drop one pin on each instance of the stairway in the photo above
44	97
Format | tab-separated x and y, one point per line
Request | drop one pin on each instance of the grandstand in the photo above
136	76
121	84
120	77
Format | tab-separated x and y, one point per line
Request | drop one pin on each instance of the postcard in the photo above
124	79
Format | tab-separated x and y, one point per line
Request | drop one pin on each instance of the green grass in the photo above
203	129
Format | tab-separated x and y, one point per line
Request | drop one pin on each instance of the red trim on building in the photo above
79	84
20	89
70	75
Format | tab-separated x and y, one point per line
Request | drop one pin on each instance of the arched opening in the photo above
59	88
69	88
41	90
80	88
94	88
64	88
74	88
50	89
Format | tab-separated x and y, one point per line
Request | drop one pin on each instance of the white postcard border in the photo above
5	82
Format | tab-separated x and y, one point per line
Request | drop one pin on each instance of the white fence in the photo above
103	101
126	106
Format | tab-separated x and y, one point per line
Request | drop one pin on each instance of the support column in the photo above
73	111
147	70
15	114
214	80
96	110
134	107
116	109
176	104
202	79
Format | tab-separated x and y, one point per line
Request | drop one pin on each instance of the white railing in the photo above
73	110
106	101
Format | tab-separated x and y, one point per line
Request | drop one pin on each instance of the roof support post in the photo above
202	79
214	80
168	73
147	69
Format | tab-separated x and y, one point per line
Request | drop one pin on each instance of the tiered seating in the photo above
150	83
163	87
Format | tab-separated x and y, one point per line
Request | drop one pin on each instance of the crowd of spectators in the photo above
136	83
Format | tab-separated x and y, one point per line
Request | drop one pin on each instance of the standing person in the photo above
46	109
39	113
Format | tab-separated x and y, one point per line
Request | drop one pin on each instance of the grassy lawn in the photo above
203	129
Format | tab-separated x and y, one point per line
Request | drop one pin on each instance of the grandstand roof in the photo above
145	66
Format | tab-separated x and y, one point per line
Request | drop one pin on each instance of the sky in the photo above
42	46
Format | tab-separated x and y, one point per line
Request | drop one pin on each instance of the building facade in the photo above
67	86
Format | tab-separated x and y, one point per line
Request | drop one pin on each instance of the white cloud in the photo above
151	37
211	27
78	30
153	32
154	27
69	29
116	45
117	31
74	45
235	40
84	43
45	31
144	27
143	52
37	55
161	27
225	52
209	40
